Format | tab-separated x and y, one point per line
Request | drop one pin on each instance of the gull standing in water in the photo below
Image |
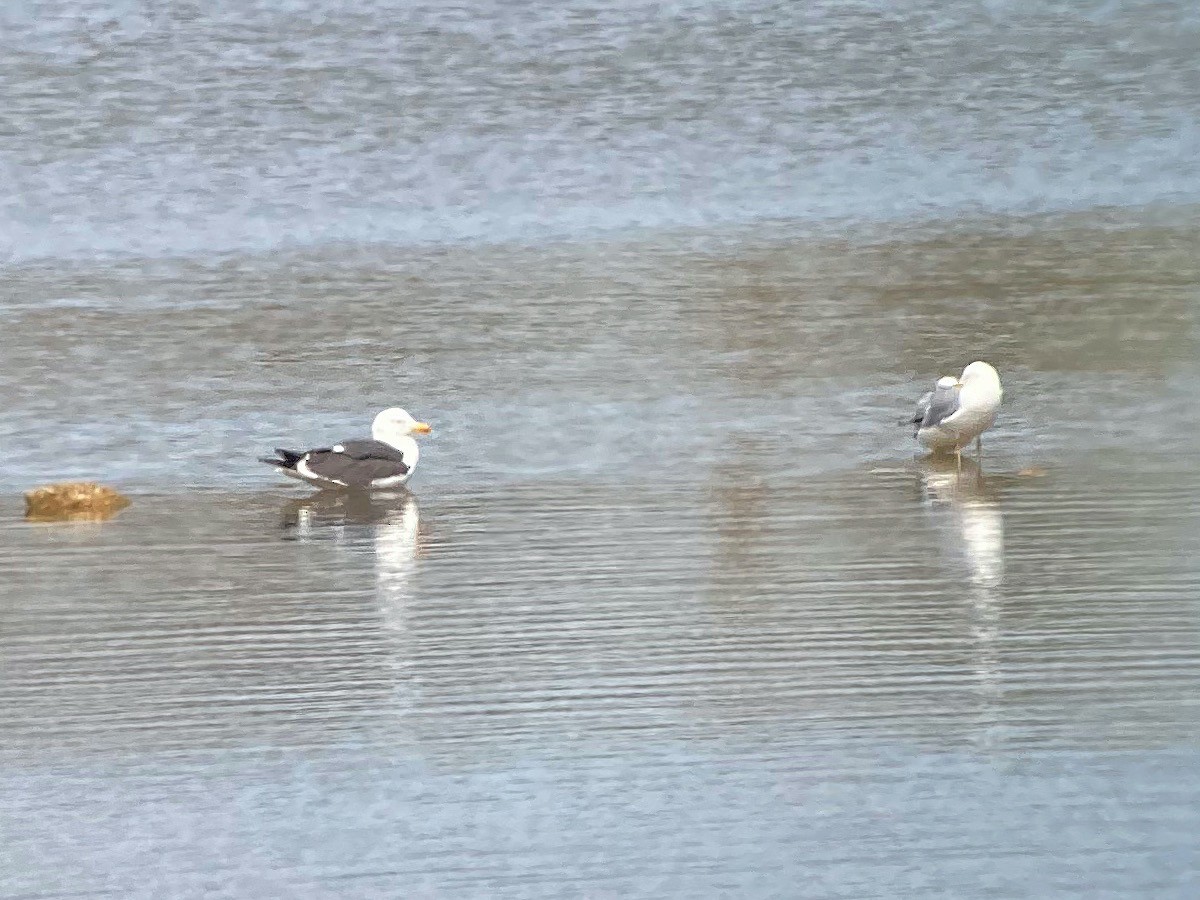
959	410
385	461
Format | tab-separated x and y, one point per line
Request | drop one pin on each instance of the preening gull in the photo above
385	461
959	410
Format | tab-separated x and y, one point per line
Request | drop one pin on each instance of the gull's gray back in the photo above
942	403
922	407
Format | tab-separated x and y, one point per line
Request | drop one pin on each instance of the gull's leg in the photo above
958	458
979	445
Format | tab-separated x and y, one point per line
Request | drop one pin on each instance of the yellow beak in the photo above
422	428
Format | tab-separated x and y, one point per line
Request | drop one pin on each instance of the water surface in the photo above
673	608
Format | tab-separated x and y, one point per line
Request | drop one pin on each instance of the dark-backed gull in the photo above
385	461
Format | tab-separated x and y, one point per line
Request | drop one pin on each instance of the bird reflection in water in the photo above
388	524
964	506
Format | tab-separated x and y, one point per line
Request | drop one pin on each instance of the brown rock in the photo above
73	501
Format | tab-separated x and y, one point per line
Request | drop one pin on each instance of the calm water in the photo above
673	610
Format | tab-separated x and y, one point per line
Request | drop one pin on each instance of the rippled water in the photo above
880	683
193	128
673	609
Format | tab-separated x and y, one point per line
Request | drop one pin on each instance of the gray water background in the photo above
673	609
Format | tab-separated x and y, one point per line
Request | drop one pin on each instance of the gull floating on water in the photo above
385	461
959	410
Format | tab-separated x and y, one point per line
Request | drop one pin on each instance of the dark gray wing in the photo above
356	463
943	403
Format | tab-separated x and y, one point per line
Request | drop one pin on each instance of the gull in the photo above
959	410
385	461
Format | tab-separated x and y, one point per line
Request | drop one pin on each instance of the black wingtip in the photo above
286	459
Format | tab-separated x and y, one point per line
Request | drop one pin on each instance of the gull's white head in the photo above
946	382
980	374
394	423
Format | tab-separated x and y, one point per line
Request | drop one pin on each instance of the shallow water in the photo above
616	362
874	683
672	610
227	126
